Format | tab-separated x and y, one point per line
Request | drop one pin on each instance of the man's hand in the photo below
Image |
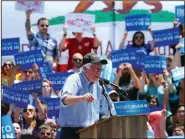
129	67
93	28
175	22
34	95
150	29
88	97
35	67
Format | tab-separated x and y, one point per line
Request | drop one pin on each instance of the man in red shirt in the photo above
78	44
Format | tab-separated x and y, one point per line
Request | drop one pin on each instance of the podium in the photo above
117	127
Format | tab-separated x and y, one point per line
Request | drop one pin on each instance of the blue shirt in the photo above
48	45
81	114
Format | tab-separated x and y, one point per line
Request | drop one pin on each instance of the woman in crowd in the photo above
47	90
17	129
138	41
177	118
8	73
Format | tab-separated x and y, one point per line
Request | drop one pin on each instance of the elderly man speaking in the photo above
82	100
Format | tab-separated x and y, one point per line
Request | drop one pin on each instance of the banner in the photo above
29	86
45	68
57	79
137	22
34	6
10	46
130	108
78	22
179	13
7	129
53	105
155	64
176	137
27	59
15	96
178	73
128	55
166	37
181	49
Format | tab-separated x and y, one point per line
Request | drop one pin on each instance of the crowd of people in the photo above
82	102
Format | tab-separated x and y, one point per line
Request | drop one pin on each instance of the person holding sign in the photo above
42	40
82	100
78	44
138	42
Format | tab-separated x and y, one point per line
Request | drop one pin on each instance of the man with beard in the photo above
42	40
127	80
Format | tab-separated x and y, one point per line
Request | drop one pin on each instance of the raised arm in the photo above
62	44
122	44
28	23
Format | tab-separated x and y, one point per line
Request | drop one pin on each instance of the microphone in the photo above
107	82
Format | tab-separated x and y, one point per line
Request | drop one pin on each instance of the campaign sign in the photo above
166	37
157	108
7	129
137	22
44	69
34	6
176	137
10	46
53	105
30	86
123	56
79	22
181	49
27	59
179	13
155	64
15	96
130	108
57	79
178	73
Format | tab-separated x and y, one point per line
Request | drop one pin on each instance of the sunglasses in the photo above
25	110
138	37
44	25
28	71
45	133
5	65
77	60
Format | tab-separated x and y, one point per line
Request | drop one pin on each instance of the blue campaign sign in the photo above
7	129
166	37
178	73
57	79
155	64
181	49
137	22
44	69
176	137
53	105
10	46
15	96
179	13
30	86
158	108
27	59
130	108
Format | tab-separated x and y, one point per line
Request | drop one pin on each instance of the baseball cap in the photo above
93	58
112	92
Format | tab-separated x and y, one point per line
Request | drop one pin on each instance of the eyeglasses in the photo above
45	133
98	69
5	65
28	71
44	25
25	110
181	111
77	60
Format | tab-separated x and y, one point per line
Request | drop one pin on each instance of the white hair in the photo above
88	65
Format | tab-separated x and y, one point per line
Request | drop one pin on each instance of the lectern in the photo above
117	127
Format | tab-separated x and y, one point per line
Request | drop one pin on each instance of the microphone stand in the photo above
105	95
121	91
